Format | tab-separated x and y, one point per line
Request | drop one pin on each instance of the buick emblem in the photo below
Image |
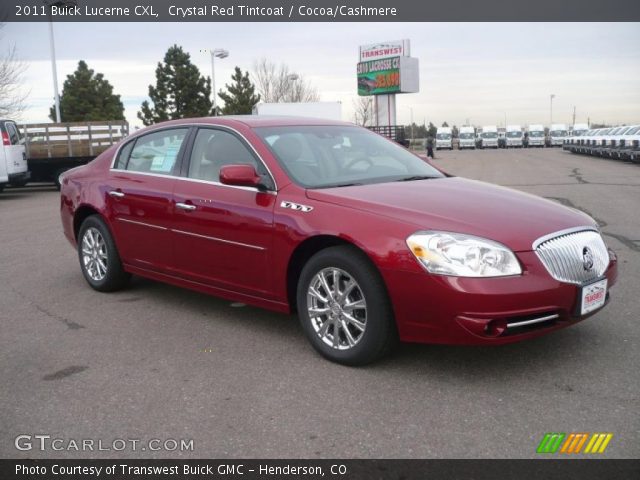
587	258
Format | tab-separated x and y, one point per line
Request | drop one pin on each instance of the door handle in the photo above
185	206
116	194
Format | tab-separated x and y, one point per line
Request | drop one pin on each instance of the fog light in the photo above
495	328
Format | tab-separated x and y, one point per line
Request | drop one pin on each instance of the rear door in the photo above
139	195
16	157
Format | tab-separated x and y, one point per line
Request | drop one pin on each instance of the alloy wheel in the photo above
337	308
94	254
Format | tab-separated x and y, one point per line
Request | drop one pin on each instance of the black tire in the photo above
114	278
379	334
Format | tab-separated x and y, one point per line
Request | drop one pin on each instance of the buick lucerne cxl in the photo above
369	243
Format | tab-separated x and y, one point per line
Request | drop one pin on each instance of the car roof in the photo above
253	121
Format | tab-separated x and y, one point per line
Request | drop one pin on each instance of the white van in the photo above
536	135
489	136
467	138
444	138
13	156
514	136
557	134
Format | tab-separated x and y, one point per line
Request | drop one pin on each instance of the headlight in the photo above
462	255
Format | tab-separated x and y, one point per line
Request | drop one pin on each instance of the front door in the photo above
222	234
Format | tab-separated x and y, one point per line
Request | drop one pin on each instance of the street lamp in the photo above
551	97
54	70
220	53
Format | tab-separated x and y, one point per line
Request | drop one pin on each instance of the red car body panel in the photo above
238	243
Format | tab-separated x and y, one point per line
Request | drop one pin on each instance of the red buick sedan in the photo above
365	240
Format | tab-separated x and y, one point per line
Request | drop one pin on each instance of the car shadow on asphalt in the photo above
529	357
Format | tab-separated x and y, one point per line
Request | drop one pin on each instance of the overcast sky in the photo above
474	71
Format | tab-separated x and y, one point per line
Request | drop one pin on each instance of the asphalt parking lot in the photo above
156	361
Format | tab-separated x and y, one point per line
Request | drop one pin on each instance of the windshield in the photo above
514	134
443	136
336	155
579	133
558	133
466	136
536	134
489	135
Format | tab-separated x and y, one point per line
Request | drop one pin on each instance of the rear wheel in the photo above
344	308
99	258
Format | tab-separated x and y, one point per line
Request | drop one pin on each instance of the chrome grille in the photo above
565	255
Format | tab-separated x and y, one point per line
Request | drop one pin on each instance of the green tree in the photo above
240	96
445	124
432	130
87	96
180	90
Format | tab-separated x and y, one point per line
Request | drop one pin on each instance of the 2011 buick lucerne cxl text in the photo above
369	243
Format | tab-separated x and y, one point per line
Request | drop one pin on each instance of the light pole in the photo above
551	97
54	70
220	53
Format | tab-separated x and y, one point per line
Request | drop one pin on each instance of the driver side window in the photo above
213	149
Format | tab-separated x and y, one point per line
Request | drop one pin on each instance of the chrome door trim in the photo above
143	224
216	239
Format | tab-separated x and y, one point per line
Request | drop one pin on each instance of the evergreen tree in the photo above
87	96
180	91
240	97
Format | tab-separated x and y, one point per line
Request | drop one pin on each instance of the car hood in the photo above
453	204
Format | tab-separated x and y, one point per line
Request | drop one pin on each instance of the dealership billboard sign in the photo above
387	76
377	51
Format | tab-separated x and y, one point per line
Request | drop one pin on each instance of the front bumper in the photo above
474	311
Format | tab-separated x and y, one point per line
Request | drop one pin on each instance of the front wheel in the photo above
99	258
344	308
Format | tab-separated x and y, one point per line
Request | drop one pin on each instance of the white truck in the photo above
579	129
573	140
557	134
444	138
536	136
489	136
13	157
514	136
467	137
324	110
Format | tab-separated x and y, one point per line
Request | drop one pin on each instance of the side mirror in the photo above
240	176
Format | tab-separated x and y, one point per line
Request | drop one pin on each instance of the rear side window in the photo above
123	156
156	152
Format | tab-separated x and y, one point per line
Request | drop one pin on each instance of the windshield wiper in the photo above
335	185
416	177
